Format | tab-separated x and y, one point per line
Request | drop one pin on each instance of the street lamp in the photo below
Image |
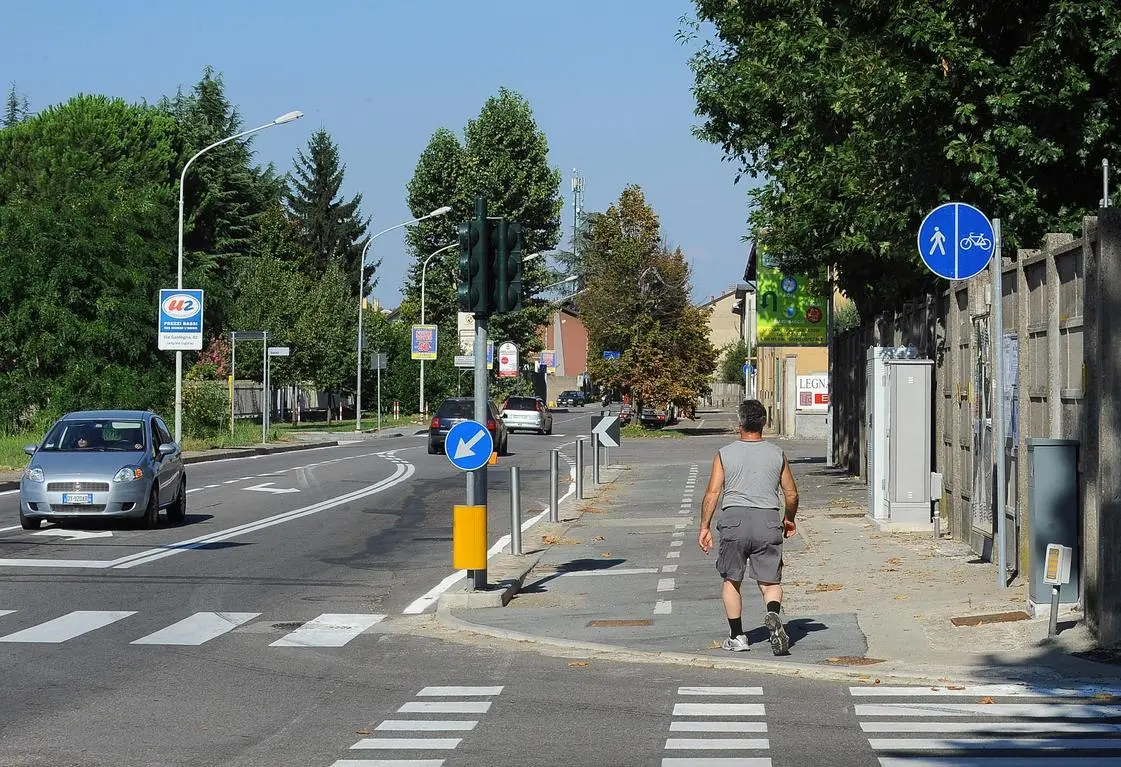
284	118
573	278
361	289
423	271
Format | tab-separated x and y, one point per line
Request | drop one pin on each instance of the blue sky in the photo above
608	83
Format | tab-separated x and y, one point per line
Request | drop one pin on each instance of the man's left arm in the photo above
708	505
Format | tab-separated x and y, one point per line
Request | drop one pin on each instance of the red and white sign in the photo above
813	392
507	360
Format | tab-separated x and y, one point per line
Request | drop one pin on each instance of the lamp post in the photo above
284	118
361	289
423	272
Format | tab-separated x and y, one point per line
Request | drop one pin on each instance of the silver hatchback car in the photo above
527	414
104	464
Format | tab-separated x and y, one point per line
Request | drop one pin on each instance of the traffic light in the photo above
508	266
474	267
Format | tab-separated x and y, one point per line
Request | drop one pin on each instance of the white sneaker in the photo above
736	644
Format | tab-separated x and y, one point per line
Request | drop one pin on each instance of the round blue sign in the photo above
956	241
468	445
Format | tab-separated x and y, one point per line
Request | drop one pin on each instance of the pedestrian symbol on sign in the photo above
938	242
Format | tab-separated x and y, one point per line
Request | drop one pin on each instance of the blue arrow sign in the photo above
956	241
612	355
469	445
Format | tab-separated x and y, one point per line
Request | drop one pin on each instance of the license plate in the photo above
77	499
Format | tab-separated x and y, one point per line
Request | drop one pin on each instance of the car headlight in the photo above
128	474
34	474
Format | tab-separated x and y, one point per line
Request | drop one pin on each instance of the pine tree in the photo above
16	108
331	229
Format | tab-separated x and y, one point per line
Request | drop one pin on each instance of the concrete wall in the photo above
811	425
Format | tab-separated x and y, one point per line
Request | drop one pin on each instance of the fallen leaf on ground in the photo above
1103	696
828	587
578	664
900	596
362	732
597	537
895	561
987	699
606	554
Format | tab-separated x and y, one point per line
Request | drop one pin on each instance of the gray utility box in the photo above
1053	499
900	421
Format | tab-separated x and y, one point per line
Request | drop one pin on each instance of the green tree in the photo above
325	333
860	117
16	108
86	240
331	229
732	359
637	302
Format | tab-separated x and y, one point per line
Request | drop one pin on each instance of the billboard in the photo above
180	320
790	311
424	342
813	392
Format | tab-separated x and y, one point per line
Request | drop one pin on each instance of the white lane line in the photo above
436	744
231	481
6	612
388	763
9	492
730	726
995	690
669	568
673	555
13	527
995	728
665	584
719	690
458	691
745	761
613	571
427	725
663	607
426	600
676	543
718	709
329	630
194	489
446	707
403	472
197	629
993	744
1025	710
718	744
68	626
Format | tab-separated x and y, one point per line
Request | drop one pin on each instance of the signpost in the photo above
957	241
235	336
607	428
507	360
379	361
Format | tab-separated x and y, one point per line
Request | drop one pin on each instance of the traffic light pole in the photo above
477	480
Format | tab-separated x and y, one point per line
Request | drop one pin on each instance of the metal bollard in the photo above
554	490
515	510
595	461
580	468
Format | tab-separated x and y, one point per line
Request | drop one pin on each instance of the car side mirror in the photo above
168	448
30	449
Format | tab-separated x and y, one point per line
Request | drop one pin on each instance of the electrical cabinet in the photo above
899	428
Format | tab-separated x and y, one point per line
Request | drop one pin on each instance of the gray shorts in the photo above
750	540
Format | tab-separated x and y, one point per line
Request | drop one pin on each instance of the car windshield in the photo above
521	403
95	435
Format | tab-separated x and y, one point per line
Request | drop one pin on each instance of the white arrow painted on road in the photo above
76	535
464	448
264	488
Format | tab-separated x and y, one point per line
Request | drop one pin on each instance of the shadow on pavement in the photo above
797	629
575	566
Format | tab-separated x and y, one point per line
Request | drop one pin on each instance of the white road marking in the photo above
718	744
680	526
427	725
6	612
75	535
13	527
663	607
329	630
436	744
665	584
994	744
68	626
458	691
719	690
677	543
673	555
232	481
718	726
446	707
264	488
388	763
1019	710
669	568
612	571
745	761
679	535
197	629
993	728
718	709
997	690
9	492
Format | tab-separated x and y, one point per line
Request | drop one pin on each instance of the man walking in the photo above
755	479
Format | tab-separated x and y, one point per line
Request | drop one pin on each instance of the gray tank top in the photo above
752	471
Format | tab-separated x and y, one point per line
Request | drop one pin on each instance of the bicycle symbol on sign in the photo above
980	240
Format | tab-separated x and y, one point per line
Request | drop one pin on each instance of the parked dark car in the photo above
657	417
570	398
458	409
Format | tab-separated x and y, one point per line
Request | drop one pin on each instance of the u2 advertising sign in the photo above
180	320
424	342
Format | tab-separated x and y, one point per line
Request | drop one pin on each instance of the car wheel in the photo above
177	512
29	523
151	512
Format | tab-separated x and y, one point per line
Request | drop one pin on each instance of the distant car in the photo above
656	418
570	398
527	414
456	410
104	464
626	414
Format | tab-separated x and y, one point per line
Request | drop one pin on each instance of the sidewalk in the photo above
624	576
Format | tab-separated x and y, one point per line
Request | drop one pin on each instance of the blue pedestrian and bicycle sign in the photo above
956	241
468	445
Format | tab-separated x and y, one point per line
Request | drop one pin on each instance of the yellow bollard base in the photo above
469	537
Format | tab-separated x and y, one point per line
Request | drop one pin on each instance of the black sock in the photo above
735	626
774	607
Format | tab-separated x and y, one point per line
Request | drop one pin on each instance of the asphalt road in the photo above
274	628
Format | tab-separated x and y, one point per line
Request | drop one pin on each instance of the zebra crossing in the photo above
997	725
726	721
424	730
326	630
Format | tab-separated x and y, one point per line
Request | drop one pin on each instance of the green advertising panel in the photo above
790	311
